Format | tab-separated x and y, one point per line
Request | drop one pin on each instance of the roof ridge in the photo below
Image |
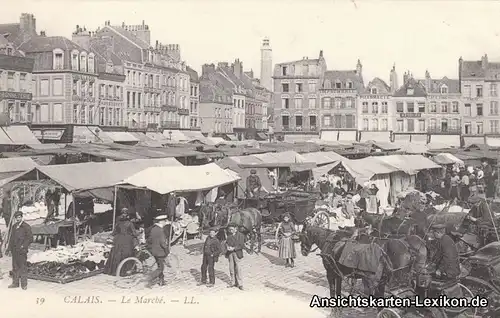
123	36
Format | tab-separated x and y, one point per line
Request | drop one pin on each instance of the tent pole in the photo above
74	216
174	197
114	207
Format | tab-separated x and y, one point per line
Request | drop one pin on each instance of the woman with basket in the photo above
286	245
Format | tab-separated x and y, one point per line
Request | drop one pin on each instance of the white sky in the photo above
416	35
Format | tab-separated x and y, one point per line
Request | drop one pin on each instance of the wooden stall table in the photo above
50	231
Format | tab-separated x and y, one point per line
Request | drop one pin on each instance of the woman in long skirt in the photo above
286	249
124	242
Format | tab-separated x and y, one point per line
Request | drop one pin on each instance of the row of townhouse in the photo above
309	98
232	101
112	77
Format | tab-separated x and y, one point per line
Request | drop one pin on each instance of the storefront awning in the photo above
377	136
20	135
232	137
121	136
450	140
49	134
262	136
175	135
4	138
89	134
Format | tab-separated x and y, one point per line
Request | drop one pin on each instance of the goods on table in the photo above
338	218
84	251
62	271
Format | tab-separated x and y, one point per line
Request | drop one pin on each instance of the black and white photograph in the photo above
249	158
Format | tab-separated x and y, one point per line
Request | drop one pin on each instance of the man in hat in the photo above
446	257
158	247
211	251
19	243
482	215
253	184
235	243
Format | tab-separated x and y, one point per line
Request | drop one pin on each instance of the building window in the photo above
479	91
285	88
327	84
454	124
374	124
57	112
374	91
365	107
22	82
444	125
312	86
83	62
349	103
432	124
10	81
400	125
44	87
410	91
337	121
494	126
298	103
327	121
493	90
285	103
44	113
400	107
298	87
410	107
326	102
74	61
444	107
444	89
349	121
312	102
338	103
58	60
298	121
375	108
312	122
384	126
410	124
58	87
285	120
454	107
284	71
468	110
91	63
432	107
338	85
421	107
479	128
467	91
479	110
493	108
421	125
366	126
467	128
349	85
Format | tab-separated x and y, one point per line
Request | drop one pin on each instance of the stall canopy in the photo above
164	180
410	164
412	149
281	157
193	135
318	172
95	175
175	135
20	135
447	159
89	134
262	173
146	141
12	166
4	138
158	137
121	136
322	158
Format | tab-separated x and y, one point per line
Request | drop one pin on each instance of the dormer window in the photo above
410	91
58	59
83	62
374	91
91	63
444	89
349	85
338	84
327	84
10	51
74	61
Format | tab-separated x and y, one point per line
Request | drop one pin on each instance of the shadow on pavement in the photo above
314	280
273	259
218	275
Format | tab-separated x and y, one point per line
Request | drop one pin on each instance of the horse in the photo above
384	225
249	222
396	254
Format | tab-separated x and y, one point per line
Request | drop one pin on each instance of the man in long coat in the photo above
20	240
446	258
158	247
253	184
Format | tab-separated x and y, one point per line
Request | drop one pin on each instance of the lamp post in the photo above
170	135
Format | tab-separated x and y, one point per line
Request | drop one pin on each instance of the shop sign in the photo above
48	134
410	115
15	95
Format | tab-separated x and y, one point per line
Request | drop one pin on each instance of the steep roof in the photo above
104	55
193	75
418	89
210	92
380	84
306	61
436	84
123	44
228	72
344	77
48	44
129	35
12	32
472	69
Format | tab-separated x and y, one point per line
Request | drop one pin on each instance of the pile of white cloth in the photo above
84	251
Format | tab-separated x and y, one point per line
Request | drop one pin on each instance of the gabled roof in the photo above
382	86
122	46
140	43
436	84
209	92
40	44
104	55
343	77
418	89
193	75
247	80
303	61
472	69
12	32
227	72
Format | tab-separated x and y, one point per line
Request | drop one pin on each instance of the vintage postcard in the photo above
251	159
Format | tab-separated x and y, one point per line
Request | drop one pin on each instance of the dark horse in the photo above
249	222
397	254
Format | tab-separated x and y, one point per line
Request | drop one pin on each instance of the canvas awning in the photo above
165	180
298	138
89	134
146	141
410	164
4	138
348	135
412	149
377	136
450	140
13	166
280	157
447	159
193	135
493	142
232	137
175	135
322	158
318	172
262	136
121	136
158	137
20	135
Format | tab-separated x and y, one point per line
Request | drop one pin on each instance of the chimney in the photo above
207	69
320	53
237	68
428	81
223	65
42	33
405	78
484	62
460	62
359	68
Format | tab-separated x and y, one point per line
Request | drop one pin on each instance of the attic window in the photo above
374	91
410	91
338	84
349	84
444	89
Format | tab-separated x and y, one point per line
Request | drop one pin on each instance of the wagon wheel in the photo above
467	293
390	313
478	287
321	219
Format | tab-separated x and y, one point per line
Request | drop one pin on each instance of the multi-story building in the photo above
296	95
266	65
265	97
194	99
479	82
15	85
156	90
442	116
338	93
216	102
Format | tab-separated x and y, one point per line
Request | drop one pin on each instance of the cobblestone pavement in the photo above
271	290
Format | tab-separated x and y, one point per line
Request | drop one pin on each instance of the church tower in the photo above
266	65
394	79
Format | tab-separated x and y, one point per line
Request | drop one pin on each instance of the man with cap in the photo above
158	247
481	214
446	257
19	243
253	184
211	251
235	243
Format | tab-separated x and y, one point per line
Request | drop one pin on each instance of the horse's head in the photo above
305	241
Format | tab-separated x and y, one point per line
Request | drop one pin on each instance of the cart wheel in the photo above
129	266
321	219
467	293
390	313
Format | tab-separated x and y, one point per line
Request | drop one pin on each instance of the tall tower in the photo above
266	65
